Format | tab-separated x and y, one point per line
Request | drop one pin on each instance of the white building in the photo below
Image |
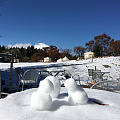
65	59
60	60
16	60
47	59
88	55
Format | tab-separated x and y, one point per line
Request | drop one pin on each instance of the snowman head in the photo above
46	86
53	79
70	84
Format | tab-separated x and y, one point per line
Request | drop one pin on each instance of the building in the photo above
88	55
47	59
60	60
65	59
16	60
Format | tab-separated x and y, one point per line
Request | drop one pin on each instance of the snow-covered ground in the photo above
108	64
17	106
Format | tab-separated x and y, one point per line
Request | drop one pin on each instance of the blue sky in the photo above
63	23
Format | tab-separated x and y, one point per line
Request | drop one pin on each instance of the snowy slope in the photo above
17	107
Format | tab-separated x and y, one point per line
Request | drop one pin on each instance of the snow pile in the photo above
76	94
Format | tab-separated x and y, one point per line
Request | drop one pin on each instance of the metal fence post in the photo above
0	83
92	59
95	67
11	71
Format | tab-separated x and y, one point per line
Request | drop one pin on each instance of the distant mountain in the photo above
40	45
20	45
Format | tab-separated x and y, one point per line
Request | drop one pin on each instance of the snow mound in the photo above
76	94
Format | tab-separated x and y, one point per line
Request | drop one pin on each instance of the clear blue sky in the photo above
63	23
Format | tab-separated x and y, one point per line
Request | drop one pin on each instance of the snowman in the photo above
76	94
56	83
41	99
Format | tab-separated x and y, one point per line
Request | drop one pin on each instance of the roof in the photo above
89	52
65	58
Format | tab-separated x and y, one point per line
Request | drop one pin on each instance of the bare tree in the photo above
66	52
103	42
90	45
114	48
79	51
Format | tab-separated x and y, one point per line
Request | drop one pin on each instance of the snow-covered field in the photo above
17	106
108	64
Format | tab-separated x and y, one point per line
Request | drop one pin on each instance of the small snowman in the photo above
41	99
56	83
76	94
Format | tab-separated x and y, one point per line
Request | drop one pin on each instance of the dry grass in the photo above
107	66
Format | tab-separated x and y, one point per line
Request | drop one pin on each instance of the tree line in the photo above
102	45
31	54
